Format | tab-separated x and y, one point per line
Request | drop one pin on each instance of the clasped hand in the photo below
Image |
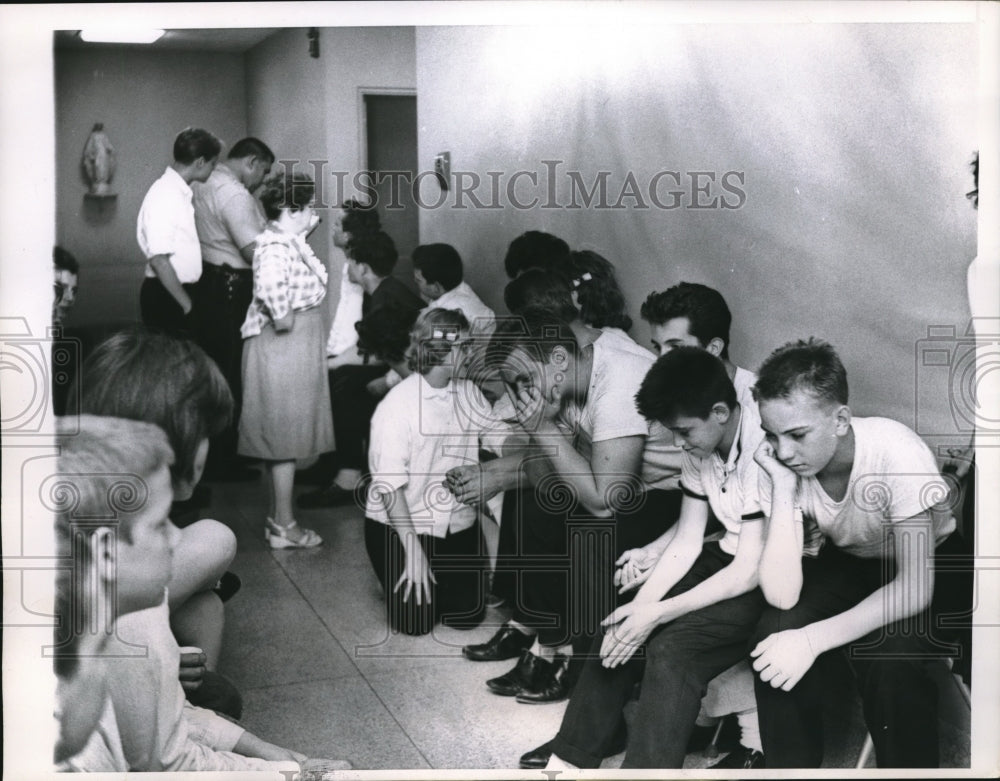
634	622
634	567
783	658
473	484
192	670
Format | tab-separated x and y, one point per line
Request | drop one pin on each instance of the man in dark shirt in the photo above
371	259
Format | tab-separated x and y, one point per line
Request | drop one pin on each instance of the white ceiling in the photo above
233	40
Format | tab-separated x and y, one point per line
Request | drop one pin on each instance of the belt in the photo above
227	271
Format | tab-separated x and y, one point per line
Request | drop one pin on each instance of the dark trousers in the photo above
160	310
352	406
223	297
457	562
675	668
558	561
891	666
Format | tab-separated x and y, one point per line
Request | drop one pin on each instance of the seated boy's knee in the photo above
215	541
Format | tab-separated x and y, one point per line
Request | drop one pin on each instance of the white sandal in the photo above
277	535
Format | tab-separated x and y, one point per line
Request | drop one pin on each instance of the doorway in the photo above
390	137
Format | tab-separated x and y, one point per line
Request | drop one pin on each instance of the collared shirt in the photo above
731	487
482	319
894	477
287	277
166	227
418	433
227	217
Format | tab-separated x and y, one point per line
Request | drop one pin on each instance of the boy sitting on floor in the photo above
120	470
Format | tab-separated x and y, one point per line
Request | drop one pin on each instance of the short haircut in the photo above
251	147
292	191
385	332
192	143
64	260
359	218
439	263
601	301
535	334
375	250
704	307
686	382
534	249
153	377
809	365
540	292
434	336
104	467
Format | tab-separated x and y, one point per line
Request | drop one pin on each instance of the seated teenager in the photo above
595	290
696	611
371	259
697	316
869	484
423	544
583	472
535	250
148	727
438	272
153	377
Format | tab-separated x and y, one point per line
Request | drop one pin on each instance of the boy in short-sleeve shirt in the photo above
869	486
712	604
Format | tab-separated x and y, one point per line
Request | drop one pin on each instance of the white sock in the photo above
750	730
520	628
559	764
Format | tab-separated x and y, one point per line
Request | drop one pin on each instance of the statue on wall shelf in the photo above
99	161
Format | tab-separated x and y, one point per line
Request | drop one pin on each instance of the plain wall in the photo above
144	99
310	109
853	141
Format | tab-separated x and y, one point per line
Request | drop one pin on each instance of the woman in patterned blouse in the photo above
286	406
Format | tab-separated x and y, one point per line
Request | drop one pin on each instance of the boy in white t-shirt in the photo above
870	485
701	601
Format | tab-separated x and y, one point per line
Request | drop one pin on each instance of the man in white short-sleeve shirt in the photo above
167	235
871	487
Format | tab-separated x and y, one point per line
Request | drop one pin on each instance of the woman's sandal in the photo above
277	536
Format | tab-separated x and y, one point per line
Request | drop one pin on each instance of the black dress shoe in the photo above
536	759
524	676
331	496
742	758
507	643
550	684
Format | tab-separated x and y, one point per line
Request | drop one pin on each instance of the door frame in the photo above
402	92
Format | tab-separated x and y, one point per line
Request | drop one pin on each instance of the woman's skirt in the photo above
286	396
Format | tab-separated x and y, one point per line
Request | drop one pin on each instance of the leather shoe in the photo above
742	758
536	759
331	496
550	685
507	643
524	676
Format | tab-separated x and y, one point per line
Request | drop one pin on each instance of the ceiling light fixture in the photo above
120	35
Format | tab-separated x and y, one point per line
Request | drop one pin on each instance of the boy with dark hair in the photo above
168	237
701	602
438	272
696	315
869	486
371	259
535	249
